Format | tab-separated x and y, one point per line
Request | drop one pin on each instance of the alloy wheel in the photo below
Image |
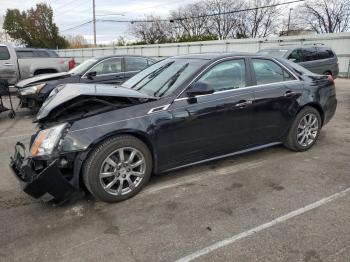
122	171
307	130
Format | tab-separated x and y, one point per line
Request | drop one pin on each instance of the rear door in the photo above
108	71
8	68
276	95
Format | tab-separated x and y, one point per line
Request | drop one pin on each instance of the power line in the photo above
77	26
183	18
199	16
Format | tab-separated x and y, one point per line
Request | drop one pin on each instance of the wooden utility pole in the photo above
94	21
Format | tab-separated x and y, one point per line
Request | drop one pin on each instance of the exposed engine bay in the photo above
85	106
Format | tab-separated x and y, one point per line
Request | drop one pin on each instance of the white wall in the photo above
339	42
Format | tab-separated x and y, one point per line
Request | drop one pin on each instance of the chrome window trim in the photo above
84	75
241	88
232	90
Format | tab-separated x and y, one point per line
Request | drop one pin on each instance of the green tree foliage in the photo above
34	27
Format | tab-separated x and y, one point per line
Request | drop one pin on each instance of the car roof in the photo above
214	56
290	47
112	56
32	49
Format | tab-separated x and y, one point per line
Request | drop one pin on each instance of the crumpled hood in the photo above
65	93
40	78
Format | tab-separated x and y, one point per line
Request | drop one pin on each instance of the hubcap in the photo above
122	171
307	130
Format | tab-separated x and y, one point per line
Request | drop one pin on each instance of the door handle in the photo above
289	93
8	64
243	103
118	77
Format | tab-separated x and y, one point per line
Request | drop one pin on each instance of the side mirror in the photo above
292	59
199	88
91	75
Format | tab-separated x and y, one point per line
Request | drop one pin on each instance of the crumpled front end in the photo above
42	178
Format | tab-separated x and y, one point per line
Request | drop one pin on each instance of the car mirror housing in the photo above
199	88
91	75
292	59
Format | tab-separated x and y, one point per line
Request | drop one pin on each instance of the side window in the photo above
135	63
267	72
4	53
108	66
310	54
297	55
324	53
226	75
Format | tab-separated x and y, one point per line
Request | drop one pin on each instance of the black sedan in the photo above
182	111
106	70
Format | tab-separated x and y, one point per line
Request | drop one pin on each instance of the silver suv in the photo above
317	58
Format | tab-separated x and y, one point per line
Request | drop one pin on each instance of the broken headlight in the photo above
31	90
46	140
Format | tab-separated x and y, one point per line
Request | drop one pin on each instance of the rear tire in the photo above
305	130
117	169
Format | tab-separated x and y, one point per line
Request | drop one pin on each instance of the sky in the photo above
69	13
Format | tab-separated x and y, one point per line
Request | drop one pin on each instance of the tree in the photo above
152	31
259	22
223	25
34	27
326	16
190	20
77	41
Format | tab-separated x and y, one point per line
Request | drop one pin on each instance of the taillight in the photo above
71	64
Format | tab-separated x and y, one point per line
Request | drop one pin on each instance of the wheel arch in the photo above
317	106
144	137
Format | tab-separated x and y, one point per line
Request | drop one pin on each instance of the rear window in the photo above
4	53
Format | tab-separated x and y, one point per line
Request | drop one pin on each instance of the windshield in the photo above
273	52
164	77
81	69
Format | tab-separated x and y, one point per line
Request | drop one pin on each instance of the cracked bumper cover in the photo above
48	184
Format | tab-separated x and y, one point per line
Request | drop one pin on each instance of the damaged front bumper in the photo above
46	184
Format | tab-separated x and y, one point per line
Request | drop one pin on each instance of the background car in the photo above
179	112
317	58
105	70
22	63
24	52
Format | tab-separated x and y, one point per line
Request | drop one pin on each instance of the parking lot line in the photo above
262	227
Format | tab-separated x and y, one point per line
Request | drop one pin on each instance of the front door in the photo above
108	71
207	126
8	70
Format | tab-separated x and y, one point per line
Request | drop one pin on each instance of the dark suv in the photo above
317	58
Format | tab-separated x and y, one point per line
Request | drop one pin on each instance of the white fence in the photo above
339	42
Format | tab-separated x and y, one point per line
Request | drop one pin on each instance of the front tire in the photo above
117	169
305	130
